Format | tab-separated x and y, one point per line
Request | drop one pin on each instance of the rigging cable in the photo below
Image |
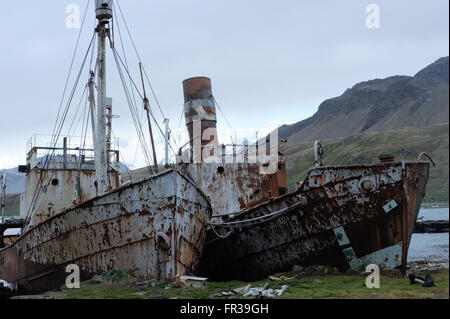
179	126
126	63
146	76
139	57
75	116
82	148
92	57
71	66
133	111
220	109
140	95
50	154
66	111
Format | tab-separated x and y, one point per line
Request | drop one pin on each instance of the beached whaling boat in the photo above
76	210
153	229
343	216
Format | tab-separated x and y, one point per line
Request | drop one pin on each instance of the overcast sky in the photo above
271	62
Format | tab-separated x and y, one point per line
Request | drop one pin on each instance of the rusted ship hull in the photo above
152	229
347	216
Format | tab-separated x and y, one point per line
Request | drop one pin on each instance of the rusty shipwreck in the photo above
343	216
76	210
346	216
222	211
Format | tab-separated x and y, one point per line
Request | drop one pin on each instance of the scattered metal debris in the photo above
179	282
142	283
427	282
194	282
427	265
248	291
11	286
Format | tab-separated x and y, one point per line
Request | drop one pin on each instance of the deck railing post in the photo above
65	153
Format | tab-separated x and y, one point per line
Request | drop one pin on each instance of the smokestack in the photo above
199	106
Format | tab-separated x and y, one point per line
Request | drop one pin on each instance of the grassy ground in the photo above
405	144
335	287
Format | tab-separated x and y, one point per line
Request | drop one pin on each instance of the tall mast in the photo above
92	109
104	14
147	109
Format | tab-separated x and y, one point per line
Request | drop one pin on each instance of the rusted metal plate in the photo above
117	230
341	236
390	206
234	187
390	257
63	191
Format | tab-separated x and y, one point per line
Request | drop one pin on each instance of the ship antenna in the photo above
104	14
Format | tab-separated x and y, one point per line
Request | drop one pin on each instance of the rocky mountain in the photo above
379	105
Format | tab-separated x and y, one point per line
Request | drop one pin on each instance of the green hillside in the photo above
405	144
12	205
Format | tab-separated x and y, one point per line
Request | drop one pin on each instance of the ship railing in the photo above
228	153
47	140
68	156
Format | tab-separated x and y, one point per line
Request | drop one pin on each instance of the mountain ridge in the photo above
380	104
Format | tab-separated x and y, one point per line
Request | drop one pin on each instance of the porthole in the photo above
366	185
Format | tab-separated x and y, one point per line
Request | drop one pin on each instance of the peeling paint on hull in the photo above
155	229
301	227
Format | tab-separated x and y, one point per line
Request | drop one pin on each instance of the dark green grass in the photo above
311	287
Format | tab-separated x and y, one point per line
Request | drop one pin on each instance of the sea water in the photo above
430	246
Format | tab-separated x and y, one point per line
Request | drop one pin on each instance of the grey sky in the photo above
271	62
